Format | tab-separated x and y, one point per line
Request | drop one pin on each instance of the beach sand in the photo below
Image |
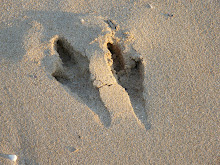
109	82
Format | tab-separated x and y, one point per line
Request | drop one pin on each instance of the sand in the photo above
109	82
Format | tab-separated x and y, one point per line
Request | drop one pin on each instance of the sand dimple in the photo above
118	60
76	77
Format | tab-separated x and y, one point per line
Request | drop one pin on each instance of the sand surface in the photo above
109	82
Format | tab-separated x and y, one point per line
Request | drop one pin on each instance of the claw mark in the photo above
111	24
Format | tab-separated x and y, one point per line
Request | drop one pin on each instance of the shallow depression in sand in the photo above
76	77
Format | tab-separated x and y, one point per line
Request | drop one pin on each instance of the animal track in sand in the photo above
109	81
76	76
129	73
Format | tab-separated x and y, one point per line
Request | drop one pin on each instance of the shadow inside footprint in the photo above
131	80
76	77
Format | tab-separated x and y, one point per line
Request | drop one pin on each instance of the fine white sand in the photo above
109	82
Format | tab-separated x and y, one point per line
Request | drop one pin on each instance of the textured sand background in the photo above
65	100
